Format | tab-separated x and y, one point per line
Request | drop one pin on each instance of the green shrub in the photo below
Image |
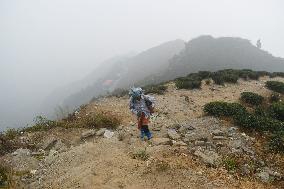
188	83
278	74
218	78
251	121
249	74
230	78
11	134
276	86
3	176
230	164
277	143
219	108
260	111
155	89
275	97
204	74
141	154
42	124
251	98
276	111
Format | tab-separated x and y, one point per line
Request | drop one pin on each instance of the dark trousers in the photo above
145	132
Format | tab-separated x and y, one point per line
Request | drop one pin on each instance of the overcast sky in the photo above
45	44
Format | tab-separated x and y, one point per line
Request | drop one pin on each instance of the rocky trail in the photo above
189	149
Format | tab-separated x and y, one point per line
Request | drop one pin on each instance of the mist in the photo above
45	45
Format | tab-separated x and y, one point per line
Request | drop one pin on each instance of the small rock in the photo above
49	143
88	133
100	132
60	146
108	134
156	129
22	152
245	170
173	134
219	138
209	157
199	143
263	176
160	141
33	172
186	128
178	143
218	133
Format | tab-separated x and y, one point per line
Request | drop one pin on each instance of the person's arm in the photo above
132	108
151	99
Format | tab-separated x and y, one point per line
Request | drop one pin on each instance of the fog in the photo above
48	44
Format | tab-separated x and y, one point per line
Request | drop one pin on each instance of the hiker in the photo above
142	106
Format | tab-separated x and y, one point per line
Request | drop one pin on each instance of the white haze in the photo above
47	44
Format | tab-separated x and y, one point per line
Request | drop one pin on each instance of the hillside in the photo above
118	72
189	148
206	53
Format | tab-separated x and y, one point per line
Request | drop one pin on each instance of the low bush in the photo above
276	74
275	97
230	164
249	74
251	98
230	78
277	143
260	111
276	110
155	89
219	108
141	154
204	74
3	176
276	86
218	78
188	83
255	122
42	124
11	134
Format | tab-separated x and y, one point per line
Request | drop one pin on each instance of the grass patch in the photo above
141	155
42	124
162	166
230	164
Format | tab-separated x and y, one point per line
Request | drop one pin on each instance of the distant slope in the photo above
212	54
118	72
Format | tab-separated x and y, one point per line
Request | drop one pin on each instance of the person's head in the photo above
136	93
